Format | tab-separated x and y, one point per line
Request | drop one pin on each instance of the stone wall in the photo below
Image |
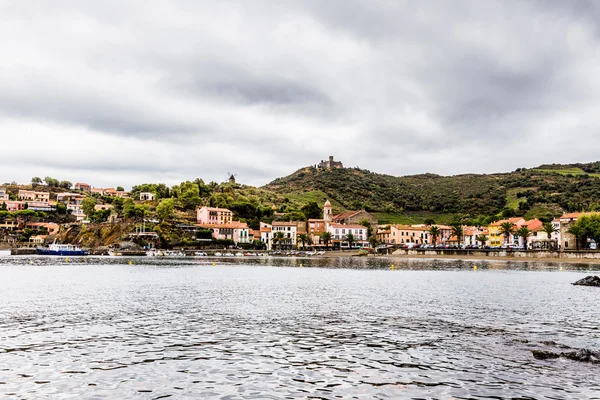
501	253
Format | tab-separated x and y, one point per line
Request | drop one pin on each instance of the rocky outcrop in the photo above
582	355
591	280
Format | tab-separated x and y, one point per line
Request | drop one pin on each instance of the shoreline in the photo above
493	258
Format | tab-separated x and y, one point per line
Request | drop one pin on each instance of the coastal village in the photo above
35	215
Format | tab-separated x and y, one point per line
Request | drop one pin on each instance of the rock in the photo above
582	355
544	355
591	280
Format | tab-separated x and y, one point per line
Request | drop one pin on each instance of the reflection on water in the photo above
335	328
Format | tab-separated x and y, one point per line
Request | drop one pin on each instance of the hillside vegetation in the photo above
543	192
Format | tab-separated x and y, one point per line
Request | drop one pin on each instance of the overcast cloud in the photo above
125	92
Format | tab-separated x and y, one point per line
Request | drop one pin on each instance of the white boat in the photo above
56	249
165	253
5	253
200	254
218	254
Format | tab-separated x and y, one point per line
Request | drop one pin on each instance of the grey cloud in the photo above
267	87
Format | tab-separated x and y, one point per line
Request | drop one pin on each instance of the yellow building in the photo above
496	237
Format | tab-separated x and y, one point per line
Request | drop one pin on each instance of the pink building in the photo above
213	215
12	205
235	230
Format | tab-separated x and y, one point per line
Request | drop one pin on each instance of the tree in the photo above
549	229
36	180
65	185
120	189
303	238
26	234
128	208
312	210
482	239
326	238
367	225
4	207
350	239
373	241
523	232
165	209
457	230
578	231
51	181
506	229
188	195
278	237
429	221
434	232
589	226
89	206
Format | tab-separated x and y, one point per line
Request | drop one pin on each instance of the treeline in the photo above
545	194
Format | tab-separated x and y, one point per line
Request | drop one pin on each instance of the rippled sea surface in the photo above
347	328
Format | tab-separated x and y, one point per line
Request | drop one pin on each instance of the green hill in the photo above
543	192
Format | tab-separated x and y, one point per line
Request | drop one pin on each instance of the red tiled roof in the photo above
344	215
342	226
283	223
230	225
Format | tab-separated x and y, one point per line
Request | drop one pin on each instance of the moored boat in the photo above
56	249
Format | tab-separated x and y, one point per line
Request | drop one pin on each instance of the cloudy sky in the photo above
124	92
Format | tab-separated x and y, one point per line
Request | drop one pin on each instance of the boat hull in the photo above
48	252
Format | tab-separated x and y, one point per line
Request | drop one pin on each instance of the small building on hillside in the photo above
3	194
147	196
83	187
32	195
214	215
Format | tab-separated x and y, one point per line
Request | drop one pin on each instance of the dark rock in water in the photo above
544	355
591	280
583	355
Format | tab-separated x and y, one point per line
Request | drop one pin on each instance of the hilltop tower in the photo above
327	212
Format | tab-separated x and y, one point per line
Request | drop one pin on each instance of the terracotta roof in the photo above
217	209
342	226
283	223
316	220
534	224
347	214
411	228
230	225
265	229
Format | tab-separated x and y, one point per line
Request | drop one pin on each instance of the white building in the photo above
340	232
287	231
147	196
